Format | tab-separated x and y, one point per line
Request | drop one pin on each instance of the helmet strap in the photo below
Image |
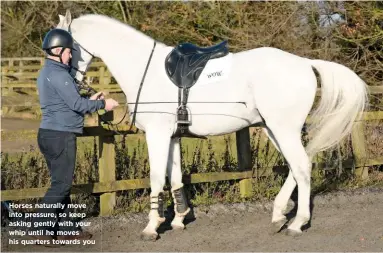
49	51
61	53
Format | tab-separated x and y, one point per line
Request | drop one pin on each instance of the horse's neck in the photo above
126	54
127	65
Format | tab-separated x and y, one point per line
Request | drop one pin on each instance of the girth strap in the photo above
183	96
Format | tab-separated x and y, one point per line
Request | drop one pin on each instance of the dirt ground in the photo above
342	221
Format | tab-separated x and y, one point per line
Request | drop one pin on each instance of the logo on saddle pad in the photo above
216	70
215	74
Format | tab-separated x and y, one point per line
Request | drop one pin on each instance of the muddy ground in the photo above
342	221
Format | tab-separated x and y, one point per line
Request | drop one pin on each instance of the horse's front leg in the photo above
181	207
158	148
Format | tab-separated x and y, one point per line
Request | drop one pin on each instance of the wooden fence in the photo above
108	185
22	73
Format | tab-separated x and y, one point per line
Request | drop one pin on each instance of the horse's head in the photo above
82	57
120	46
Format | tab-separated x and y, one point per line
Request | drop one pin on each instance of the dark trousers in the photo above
59	150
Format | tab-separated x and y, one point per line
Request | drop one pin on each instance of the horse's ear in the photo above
61	17
68	18
61	22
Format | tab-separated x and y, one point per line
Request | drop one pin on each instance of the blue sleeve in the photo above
66	88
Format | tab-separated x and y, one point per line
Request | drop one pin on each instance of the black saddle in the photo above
186	61
183	65
216	51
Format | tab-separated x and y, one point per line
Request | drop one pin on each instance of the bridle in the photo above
83	72
83	85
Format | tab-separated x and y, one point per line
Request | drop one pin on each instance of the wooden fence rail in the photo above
24	75
108	185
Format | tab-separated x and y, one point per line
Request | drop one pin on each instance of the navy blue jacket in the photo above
62	107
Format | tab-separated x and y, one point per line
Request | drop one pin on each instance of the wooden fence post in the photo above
101	76
21	64
10	63
108	78
244	160
359	149
107	169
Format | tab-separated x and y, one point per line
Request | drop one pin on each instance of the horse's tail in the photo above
344	96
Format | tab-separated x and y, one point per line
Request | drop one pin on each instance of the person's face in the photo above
66	56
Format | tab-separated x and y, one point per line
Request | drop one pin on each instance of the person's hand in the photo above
110	104
98	96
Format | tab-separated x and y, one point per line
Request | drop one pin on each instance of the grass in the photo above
17	135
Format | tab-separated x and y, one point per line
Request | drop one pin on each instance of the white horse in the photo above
278	89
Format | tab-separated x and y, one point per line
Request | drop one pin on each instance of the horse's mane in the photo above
112	23
103	19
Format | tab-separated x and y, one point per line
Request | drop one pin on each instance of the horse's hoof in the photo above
149	237
177	227
293	233
278	225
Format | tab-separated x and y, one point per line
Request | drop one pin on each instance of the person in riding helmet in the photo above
63	111
58	41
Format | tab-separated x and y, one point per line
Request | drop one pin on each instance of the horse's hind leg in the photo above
181	208
290	144
158	147
281	200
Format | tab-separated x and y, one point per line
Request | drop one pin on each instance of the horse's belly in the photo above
222	119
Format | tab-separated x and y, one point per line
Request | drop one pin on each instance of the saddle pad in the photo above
216	70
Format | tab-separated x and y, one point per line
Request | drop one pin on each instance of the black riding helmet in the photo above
57	38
